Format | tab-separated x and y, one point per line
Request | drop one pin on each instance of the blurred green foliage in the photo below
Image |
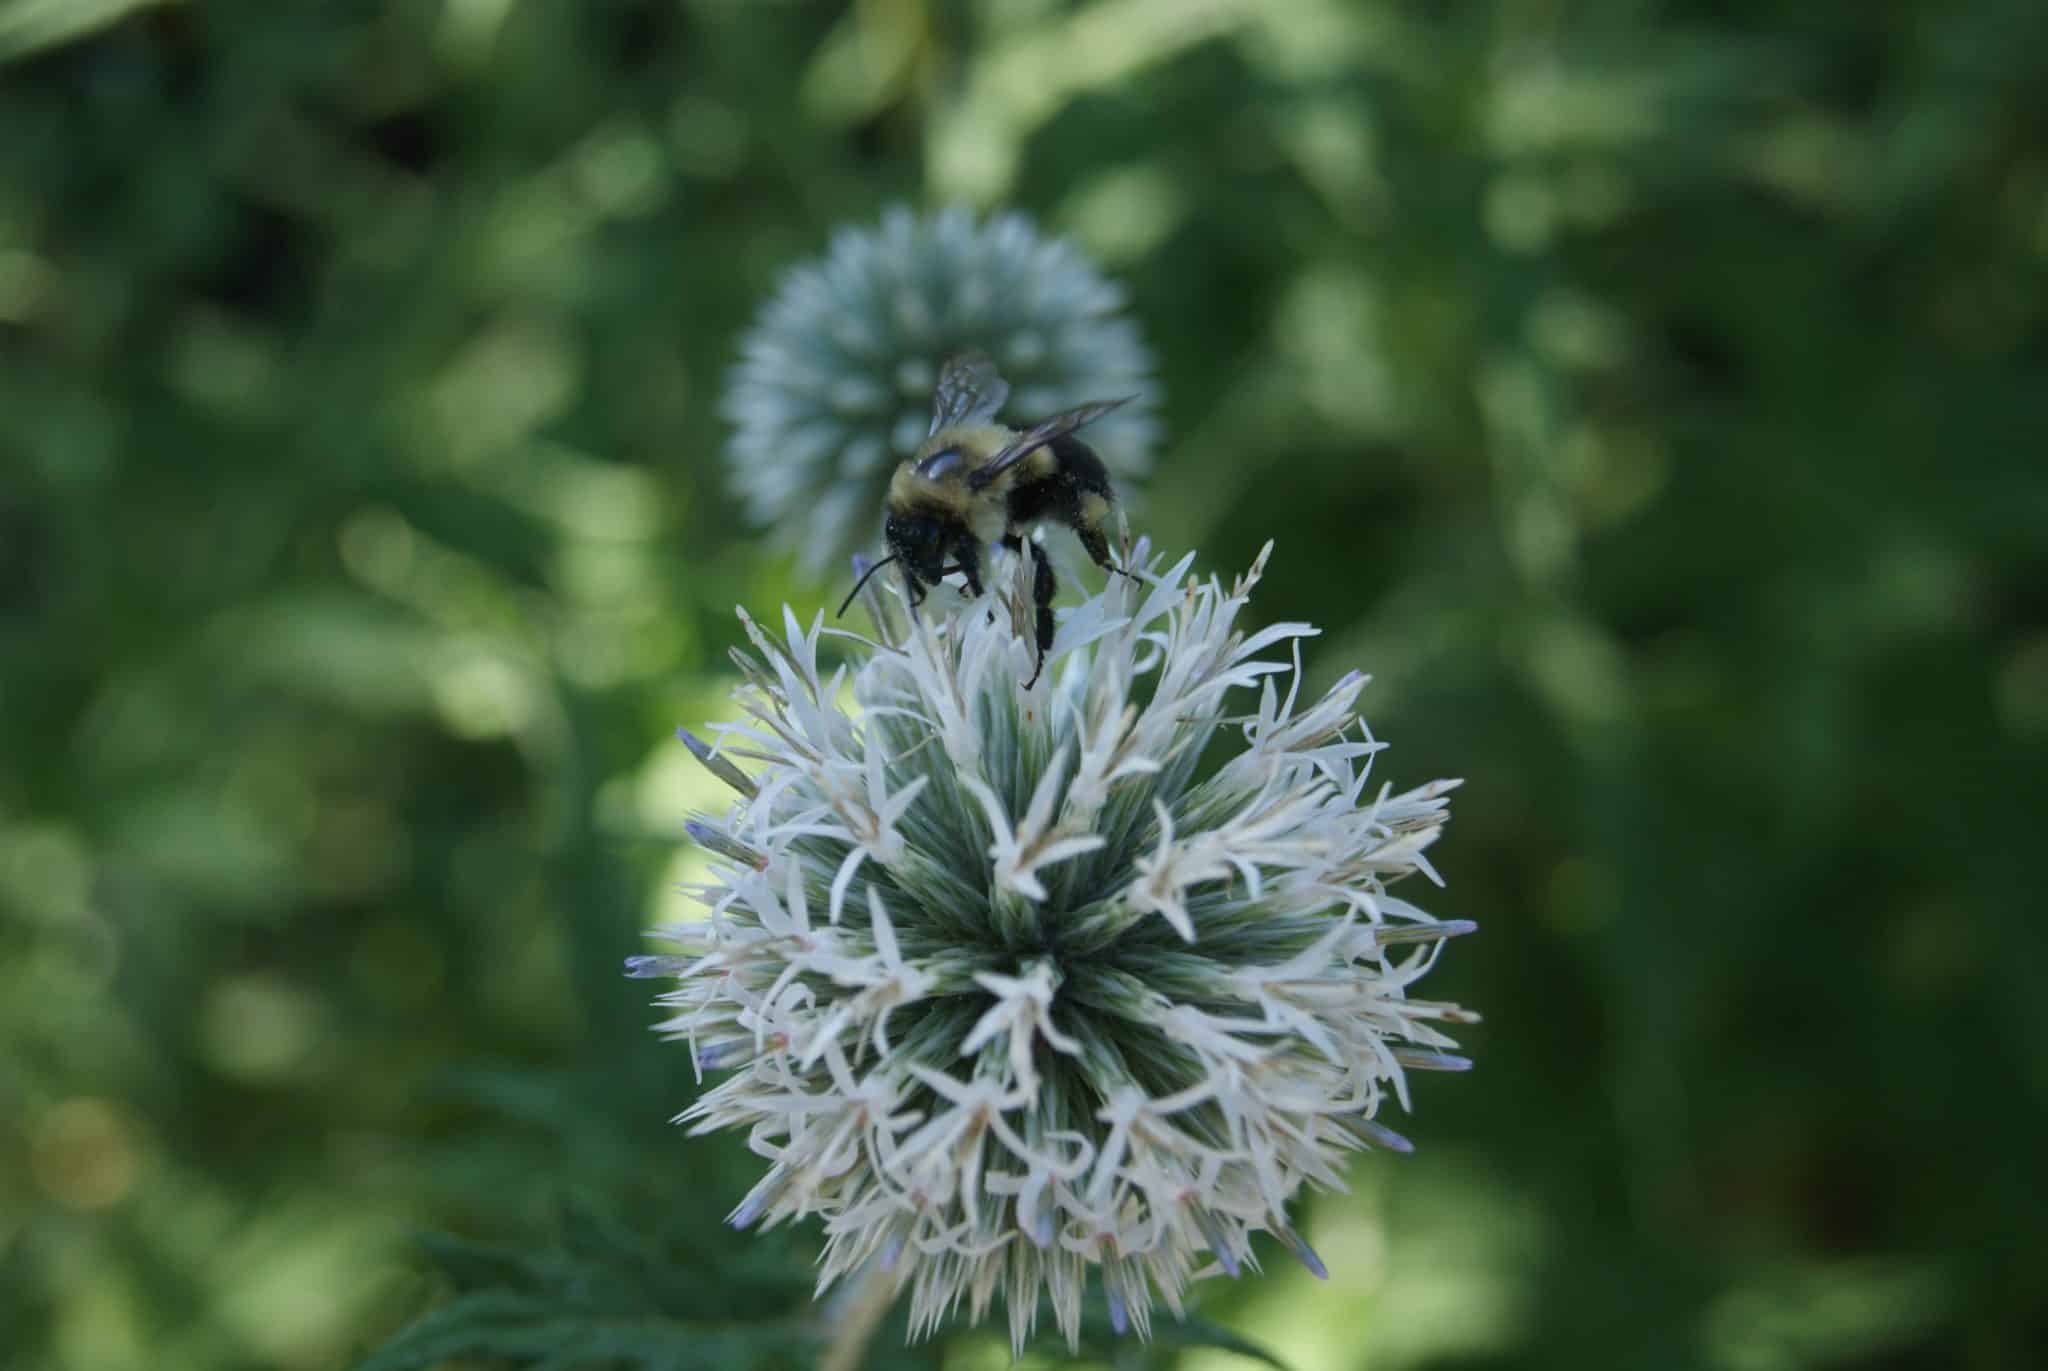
1654	395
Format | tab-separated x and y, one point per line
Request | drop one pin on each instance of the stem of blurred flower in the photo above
859	1318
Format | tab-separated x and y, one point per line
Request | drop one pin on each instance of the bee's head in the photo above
919	541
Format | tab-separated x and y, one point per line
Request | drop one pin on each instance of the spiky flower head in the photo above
835	380
1013	984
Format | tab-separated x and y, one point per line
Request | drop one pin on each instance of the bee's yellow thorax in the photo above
950	492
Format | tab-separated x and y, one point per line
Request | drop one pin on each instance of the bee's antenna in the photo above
861	582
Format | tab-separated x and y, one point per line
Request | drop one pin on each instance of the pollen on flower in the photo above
1020	989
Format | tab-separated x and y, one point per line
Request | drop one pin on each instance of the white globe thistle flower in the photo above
1019	985
834	384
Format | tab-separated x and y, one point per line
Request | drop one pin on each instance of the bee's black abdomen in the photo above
1078	462
1077	471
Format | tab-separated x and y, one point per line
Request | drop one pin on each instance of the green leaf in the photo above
536	1333
1200	1333
29	26
1100	1342
612	1294
478	1266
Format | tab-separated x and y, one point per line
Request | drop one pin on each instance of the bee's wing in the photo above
1038	435
970	391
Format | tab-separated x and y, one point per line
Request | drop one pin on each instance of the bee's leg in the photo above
967	561
1043	587
1097	548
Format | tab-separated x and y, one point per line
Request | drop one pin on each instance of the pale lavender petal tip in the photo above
715	1056
1303	1253
717	765
1384	1136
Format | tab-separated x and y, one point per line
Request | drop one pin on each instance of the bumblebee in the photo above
973	482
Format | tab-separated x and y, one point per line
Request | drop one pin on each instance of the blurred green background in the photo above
1653	395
